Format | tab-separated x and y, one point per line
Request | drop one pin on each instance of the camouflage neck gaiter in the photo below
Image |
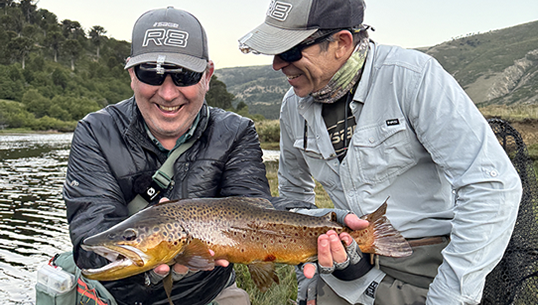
345	78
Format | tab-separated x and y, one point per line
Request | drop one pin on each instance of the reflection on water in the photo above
33	226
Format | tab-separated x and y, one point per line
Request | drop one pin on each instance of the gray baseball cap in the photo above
171	36
288	22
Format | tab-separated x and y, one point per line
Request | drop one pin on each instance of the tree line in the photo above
52	73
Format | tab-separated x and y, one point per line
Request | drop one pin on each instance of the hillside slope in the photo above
498	67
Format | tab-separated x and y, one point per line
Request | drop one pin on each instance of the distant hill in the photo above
498	67
260	87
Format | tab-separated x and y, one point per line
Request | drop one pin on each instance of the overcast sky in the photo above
410	24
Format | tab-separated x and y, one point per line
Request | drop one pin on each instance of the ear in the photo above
132	76
344	45
208	73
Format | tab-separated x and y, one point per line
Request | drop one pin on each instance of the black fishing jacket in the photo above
110	161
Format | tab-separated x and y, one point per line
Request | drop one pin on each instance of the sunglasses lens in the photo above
182	78
295	53
149	77
291	55
186	78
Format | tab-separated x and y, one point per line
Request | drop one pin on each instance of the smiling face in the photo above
170	110
317	66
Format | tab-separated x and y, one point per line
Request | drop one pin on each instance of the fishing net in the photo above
515	279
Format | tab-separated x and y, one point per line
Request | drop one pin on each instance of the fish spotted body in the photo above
239	229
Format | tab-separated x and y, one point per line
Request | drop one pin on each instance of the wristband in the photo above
353	272
354	267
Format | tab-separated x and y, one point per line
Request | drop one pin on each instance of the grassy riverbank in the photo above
287	289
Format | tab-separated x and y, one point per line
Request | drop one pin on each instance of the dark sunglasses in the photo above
296	53
155	75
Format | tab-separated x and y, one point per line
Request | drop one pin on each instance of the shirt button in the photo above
494	173
372	140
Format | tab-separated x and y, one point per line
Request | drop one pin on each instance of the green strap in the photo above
137	204
163	176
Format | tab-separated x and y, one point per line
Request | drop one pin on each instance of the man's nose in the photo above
279	63
168	90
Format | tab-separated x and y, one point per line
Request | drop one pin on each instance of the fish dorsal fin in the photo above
330	216
255	201
196	256
263	275
377	214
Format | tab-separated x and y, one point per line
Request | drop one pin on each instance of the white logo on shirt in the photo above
279	10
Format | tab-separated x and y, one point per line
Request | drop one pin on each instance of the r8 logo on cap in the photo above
279	10
173	38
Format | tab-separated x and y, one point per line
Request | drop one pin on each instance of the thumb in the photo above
309	270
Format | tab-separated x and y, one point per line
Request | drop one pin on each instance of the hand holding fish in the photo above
163	269
330	248
199	233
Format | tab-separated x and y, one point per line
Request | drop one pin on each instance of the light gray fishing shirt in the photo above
421	141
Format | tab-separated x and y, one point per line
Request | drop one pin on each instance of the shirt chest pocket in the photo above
381	152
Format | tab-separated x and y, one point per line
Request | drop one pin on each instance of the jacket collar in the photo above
364	82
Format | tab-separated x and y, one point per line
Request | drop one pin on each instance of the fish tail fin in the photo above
263	275
381	237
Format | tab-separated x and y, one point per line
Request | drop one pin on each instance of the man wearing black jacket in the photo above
116	150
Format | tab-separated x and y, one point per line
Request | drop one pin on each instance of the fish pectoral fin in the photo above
263	275
168	282
196	256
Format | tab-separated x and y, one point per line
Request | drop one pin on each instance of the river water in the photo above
33	226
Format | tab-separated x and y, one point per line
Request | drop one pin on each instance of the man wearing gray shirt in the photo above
371	122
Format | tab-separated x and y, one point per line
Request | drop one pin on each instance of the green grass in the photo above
282	293
16	130
286	291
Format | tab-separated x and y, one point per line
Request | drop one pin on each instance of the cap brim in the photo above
270	40
186	61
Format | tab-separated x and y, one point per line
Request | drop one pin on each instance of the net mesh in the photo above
515	279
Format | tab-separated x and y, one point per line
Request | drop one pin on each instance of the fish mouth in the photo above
120	257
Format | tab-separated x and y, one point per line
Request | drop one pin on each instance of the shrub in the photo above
268	130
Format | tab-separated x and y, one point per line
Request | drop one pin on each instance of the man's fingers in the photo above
338	252
162	269
309	270
355	223
346	238
181	269
219	262
222	262
325	258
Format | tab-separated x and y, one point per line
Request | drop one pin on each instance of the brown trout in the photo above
239	229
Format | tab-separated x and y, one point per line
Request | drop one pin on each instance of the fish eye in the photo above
129	235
